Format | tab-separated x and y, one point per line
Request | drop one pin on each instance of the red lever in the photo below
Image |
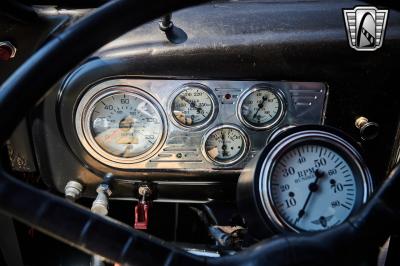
141	215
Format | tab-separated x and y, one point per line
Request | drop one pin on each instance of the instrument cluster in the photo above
188	124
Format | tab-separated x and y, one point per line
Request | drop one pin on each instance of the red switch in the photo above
7	51
141	216
142	208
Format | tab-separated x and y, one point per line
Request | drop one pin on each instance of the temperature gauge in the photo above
261	108
194	106
225	145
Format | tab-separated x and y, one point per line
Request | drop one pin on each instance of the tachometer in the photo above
261	107
193	106
225	145
120	125
313	181
308	178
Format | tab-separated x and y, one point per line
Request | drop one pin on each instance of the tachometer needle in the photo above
313	187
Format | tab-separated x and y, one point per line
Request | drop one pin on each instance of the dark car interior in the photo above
224	132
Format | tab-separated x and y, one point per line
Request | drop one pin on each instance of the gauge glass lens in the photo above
125	124
225	145
261	108
193	106
313	187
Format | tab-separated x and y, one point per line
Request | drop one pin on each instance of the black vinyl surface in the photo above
296	41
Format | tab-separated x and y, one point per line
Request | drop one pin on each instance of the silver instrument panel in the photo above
182	146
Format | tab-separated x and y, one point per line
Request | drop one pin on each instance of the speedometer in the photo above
120	125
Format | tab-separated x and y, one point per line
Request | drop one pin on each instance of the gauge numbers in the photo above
313	187
261	108
120	125
125	125
225	145
193	106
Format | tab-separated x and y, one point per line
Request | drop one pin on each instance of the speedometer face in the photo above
120	125
125	125
193	106
313	187
225	145
261	108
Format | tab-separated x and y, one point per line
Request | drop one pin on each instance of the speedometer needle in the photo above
313	187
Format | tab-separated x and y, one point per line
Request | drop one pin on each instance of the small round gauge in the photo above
261	108
120	125
313	181
193	106
225	145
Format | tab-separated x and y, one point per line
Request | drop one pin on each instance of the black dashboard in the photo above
228	48
213	128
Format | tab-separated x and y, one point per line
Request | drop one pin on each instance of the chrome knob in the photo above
368	130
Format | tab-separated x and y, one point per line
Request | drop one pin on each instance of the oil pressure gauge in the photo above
261	107
310	179
193	106
225	145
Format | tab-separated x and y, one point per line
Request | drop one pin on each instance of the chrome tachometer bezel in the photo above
286	144
82	119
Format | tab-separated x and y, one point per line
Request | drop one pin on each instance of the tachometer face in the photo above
193	106
313	187
314	183
121	126
225	145
261	108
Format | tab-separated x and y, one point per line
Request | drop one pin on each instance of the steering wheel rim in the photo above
87	231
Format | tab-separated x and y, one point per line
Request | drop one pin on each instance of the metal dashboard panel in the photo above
305	104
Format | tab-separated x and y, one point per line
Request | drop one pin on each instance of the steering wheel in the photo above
342	245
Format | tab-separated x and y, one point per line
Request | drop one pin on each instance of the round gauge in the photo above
120	125
225	145
193	106
261	108
313	181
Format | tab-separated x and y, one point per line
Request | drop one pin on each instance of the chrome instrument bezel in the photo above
211	95
182	147
340	144
279	116
246	142
83	115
